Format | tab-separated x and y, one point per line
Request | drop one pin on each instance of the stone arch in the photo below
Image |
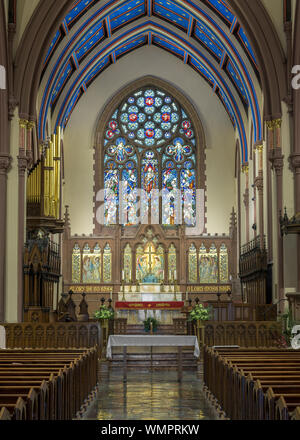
116	100
268	50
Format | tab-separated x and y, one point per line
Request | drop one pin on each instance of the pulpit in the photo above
137	303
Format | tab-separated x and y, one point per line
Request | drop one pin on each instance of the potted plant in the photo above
150	323
104	314
197	316
200	314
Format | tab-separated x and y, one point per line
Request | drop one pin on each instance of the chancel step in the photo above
160	360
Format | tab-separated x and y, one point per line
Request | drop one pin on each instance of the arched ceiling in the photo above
205	35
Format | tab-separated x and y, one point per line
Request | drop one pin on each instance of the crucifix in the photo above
150	254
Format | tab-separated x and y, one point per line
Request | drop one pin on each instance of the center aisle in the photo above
150	396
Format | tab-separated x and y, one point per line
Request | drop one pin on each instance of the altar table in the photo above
152	341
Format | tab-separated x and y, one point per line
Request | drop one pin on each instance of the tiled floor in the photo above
150	396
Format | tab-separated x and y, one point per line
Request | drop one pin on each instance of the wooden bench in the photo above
254	384
51	385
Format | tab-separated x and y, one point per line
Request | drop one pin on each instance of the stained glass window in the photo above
193	267
149	143
107	264
223	264
76	264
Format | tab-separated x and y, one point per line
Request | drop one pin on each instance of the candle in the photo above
175	274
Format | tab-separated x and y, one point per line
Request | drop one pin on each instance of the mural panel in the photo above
208	264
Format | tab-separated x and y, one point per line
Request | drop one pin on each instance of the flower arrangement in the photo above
104	313
147	325
200	313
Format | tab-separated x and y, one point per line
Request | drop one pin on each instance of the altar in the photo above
137	303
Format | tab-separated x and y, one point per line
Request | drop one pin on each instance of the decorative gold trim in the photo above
30	125
245	169
23	123
91	289
273	124
259	148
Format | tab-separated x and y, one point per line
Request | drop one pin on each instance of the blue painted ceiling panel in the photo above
200	32
93	37
236	80
130	46
222	8
168	46
129	11
171	12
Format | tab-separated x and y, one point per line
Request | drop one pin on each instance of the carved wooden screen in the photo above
107	264
76	264
127	264
193	264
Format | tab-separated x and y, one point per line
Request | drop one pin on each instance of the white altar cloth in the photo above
152	341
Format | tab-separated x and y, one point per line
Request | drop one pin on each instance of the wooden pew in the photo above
62	381
254	384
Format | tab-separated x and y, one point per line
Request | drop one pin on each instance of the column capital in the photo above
259	148
23	123
274	123
5	163
277	160
245	168
294	161
31	125
22	163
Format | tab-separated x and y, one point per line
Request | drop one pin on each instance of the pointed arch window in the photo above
150	135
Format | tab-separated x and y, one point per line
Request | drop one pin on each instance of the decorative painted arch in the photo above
74	92
192	15
41	28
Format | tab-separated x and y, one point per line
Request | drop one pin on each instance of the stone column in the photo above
295	167
276	158
22	166
270	146
5	162
259	184
245	170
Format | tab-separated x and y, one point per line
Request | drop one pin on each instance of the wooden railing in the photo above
58	335
230	311
245	334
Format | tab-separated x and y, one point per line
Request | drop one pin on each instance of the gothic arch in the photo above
117	99
267	47
37	38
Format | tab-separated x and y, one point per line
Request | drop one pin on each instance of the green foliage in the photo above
200	313
104	313
147	325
